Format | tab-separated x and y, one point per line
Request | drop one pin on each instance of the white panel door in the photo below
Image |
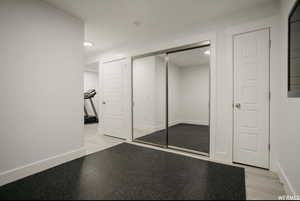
113	86
251	98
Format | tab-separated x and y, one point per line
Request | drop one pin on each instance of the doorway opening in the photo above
171	99
91	94
94	140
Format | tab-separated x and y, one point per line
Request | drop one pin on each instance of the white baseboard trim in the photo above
174	123
39	166
285	181
151	128
196	122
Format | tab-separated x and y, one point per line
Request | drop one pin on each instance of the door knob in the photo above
238	106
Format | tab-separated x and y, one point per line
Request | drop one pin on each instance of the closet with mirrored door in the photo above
171	98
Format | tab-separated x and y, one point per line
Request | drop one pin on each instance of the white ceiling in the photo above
113	23
191	58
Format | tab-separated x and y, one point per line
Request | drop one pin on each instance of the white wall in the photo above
174	92
194	95
41	59
160	93
145	94
285	114
91	81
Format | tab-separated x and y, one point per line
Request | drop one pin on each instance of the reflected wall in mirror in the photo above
189	100
149	100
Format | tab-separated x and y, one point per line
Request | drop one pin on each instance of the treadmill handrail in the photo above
90	94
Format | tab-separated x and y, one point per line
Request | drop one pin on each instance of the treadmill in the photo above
90	119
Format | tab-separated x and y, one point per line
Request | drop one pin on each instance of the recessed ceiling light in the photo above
207	52
88	44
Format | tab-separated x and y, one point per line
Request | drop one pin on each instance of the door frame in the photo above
166	52
268	122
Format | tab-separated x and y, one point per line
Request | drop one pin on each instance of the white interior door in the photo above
252	97
112	98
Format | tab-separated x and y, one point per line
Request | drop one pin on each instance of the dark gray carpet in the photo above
128	172
187	136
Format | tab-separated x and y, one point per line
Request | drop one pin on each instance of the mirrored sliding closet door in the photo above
171	99
189	100
149	100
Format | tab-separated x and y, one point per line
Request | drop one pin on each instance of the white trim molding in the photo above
196	122
40	166
285	181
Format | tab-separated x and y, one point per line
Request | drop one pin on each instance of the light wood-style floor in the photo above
260	184
263	185
94	141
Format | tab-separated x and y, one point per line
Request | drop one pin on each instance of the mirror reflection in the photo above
171	100
149	100
189	101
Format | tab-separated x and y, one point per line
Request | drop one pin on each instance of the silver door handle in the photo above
238	106
104	103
